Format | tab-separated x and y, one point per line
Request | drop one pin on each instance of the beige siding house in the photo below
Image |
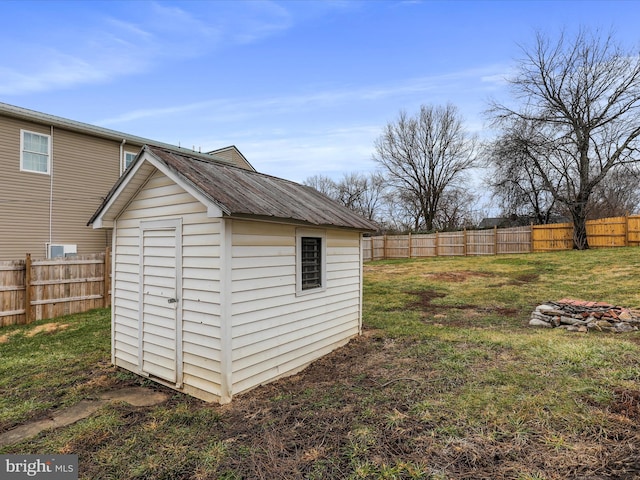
224	278
54	173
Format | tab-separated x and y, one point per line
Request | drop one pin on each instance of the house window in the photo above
35	152
311	261
129	157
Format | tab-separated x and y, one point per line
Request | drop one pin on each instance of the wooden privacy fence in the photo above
32	290
602	233
466	242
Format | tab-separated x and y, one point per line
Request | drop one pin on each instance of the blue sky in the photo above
300	87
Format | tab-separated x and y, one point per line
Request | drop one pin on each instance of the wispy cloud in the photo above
135	41
234	110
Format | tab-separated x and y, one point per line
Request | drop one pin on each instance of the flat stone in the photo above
625	316
571	321
577	328
136	396
534	322
66	417
623	327
544	307
548	310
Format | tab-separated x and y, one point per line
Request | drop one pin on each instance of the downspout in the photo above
121	170
50	194
121	166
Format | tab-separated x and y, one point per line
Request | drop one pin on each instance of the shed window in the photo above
35	152
311	261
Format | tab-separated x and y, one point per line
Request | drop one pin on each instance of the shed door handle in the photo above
173	300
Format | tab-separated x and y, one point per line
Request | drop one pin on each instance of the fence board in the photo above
481	242
12	293
633	231
513	240
551	238
424	245
397	246
607	232
38	289
451	244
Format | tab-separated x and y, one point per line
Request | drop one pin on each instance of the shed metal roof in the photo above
243	193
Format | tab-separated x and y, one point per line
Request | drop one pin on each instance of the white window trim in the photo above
308	232
22	169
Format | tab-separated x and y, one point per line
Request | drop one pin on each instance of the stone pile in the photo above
581	316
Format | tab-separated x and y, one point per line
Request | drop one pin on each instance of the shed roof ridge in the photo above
225	163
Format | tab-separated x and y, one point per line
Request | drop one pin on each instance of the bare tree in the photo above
362	193
616	195
515	182
580	99
456	210
323	184
425	155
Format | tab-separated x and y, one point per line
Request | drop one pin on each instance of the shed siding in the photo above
160	198
275	332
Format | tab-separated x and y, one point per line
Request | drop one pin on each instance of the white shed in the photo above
225	278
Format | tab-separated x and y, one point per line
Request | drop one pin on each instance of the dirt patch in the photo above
525	278
426	297
627	403
46	328
6	337
456	277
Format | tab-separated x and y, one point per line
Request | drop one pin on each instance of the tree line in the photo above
567	147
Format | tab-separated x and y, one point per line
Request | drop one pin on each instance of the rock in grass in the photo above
623	327
577	328
535	322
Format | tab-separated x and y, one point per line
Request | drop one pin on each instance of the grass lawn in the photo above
447	382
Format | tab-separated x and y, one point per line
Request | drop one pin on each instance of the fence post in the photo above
531	238
410	245
384	247
495	239
107	278
437	246
27	289
626	229
464	241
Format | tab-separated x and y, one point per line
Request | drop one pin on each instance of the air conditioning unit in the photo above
58	250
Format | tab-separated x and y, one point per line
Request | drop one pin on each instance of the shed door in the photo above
160	346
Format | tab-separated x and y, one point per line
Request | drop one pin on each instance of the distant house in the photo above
517	221
225	278
493	222
54	173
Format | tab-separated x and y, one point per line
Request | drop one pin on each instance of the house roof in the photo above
233	154
233	191
100	132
